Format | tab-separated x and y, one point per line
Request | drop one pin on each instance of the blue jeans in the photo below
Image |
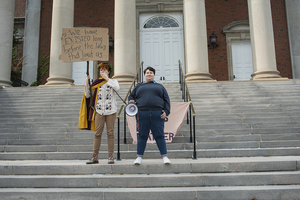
146	121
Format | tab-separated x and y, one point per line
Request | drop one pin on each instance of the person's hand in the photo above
132	101
164	115
104	75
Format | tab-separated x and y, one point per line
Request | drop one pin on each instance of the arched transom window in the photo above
161	22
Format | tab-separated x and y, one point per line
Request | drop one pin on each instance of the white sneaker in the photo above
166	161
138	161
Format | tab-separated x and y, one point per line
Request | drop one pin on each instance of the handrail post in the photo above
125	126
187	118
180	77
195	152
191	135
118	154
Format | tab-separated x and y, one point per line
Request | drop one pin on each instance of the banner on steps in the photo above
172	123
84	44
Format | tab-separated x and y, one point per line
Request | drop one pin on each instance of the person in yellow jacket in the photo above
103	110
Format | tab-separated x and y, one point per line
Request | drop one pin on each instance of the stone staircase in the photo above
248	139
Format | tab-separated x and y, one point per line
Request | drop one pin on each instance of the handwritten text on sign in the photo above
84	44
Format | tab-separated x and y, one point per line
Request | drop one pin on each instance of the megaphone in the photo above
131	109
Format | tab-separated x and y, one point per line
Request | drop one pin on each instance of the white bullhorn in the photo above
131	109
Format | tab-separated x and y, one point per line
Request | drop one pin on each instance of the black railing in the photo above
18	82
187	98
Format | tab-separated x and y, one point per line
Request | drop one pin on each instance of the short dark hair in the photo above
150	69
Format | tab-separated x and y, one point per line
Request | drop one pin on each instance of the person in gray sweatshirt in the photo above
153	104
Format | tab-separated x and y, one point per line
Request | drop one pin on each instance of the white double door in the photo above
242	60
161	48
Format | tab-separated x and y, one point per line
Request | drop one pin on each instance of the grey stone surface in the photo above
225	193
247	146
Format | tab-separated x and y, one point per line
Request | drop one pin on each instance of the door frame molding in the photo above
235	31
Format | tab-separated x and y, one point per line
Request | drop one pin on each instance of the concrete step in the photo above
82	141
202	118
252	110
132	147
207	178
151	180
149	153
248	138
225	165
177	193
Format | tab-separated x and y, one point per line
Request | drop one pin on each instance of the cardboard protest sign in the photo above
84	44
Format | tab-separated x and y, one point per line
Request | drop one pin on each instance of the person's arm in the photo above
86	87
132	95
167	104
114	84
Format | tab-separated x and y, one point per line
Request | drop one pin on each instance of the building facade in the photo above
220	40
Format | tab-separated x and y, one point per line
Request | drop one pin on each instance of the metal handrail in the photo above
136	78
187	97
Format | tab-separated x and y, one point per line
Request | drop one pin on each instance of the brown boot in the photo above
111	158
93	159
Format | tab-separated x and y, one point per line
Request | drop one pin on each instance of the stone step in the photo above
132	147
151	180
222	113
82	141
201	117
223	165
85	148
10	136
185	153
277	192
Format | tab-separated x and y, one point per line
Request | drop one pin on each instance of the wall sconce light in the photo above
111	43
213	40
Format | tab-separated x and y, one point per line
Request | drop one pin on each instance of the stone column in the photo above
125	41
7	11
262	40
31	41
293	16
197	69
62	17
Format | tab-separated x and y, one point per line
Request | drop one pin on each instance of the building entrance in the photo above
161	45
241	60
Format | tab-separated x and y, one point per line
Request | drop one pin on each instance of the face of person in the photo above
149	76
103	71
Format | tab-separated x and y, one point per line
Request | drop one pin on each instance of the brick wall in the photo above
281	37
20	8
219	14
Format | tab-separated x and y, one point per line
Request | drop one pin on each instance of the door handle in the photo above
160	78
233	76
